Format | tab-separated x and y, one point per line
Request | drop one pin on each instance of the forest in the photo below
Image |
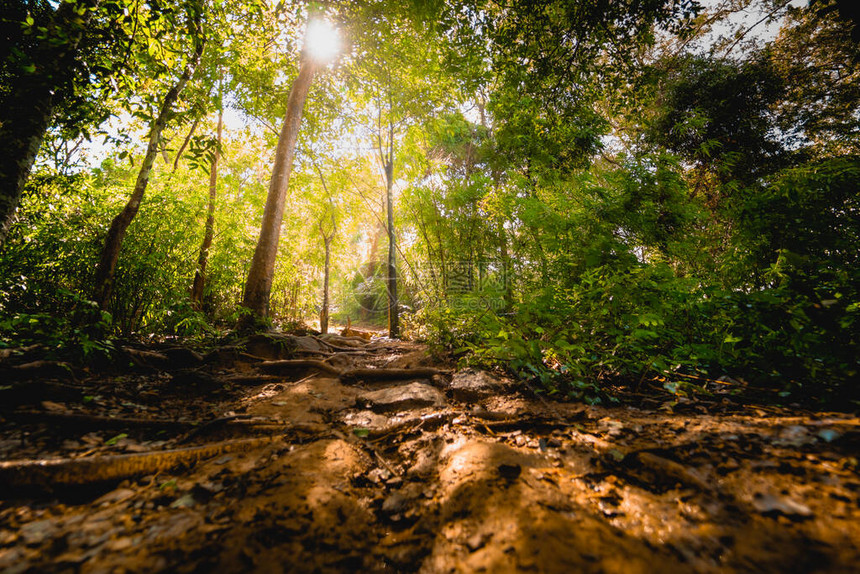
429	285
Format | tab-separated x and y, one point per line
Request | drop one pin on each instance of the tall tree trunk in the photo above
258	286
324	310
391	279
368	303
203	257
507	267
113	242
26	111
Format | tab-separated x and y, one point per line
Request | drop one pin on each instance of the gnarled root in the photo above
51	474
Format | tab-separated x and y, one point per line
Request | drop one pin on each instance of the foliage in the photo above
586	194
79	335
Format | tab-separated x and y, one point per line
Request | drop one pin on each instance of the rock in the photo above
223	355
341	361
411	361
470	385
183	357
307	343
148	359
272	347
403	397
378	475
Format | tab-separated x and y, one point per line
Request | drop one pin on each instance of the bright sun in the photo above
322	41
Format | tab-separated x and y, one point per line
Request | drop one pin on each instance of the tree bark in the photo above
28	111
203	258
113	242
324	310
258	286
25	113
391	279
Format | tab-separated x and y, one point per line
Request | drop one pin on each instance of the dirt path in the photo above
452	472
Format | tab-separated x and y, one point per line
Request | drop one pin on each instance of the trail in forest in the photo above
337	454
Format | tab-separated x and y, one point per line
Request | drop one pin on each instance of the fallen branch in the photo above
48	475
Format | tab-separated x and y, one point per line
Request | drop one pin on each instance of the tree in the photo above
199	282
396	89
106	267
50	56
258	286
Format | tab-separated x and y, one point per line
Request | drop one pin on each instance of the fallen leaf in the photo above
771	504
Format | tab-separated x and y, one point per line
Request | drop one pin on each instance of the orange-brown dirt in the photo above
364	475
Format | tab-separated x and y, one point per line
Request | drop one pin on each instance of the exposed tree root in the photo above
339	347
6	355
79	420
38	370
300	363
391	374
48	475
672	470
251	380
378	374
428	423
242	421
36	391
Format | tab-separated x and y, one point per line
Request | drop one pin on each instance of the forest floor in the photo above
374	457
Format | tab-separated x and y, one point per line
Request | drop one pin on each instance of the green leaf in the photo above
116	439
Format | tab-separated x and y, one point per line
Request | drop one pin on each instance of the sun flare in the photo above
322	40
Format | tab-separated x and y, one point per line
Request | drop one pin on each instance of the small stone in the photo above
378	475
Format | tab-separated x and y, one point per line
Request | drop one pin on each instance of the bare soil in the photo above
327	473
